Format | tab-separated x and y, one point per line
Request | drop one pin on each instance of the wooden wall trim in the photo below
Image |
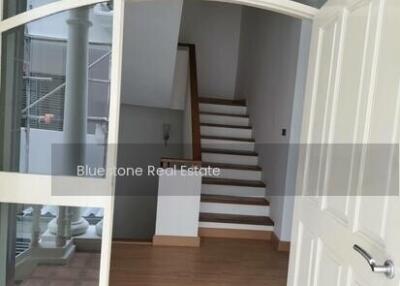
279	245
123	241
172	240
194	100
235	233
173	162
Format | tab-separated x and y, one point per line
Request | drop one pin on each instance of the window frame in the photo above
24	185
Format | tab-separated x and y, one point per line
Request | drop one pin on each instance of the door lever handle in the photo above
387	268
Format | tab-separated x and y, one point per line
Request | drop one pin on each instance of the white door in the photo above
348	173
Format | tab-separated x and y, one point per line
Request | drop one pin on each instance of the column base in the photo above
78	227
99	228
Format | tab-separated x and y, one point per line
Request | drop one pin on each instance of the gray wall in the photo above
295	129
215	29
150	46
140	144
267	76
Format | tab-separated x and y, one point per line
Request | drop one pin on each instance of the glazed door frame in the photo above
37	189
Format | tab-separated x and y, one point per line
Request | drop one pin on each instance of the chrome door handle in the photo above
387	268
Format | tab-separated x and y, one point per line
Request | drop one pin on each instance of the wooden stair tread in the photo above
224	114
236	219
225	126
228	138
233	182
232	166
234	200
229	152
222	101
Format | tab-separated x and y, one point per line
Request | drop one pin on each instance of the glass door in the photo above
59	110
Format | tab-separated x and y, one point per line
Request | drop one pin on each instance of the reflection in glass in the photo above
55	83
14	7
313	3
43	250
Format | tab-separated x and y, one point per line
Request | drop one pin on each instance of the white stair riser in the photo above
235	226
230	159
226	132
251	175
235	209
220	108
227	120
226	190
227	145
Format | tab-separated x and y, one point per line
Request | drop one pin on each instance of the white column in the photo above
35	225
76	91
59	226
75	105
8	230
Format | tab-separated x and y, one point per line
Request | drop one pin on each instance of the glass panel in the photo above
14	7
56	90
50	245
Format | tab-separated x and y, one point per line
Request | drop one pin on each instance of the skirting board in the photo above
279	245
131	241
235	233
167	240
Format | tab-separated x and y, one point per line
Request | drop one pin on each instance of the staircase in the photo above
21	245
234	204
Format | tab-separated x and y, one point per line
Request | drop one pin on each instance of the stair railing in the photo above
194	99
195	116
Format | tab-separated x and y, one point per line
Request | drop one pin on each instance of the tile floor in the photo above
82	270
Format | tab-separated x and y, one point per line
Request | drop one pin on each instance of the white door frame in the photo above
36	189
20	184
286	7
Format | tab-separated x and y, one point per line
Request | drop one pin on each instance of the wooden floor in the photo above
217	262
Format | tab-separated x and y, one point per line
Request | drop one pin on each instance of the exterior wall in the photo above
215	30
267	74
44	51
41	149
54	26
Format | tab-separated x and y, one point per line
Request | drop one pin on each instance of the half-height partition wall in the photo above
178	204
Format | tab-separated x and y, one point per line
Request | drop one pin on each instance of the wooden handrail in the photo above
194	100
173	162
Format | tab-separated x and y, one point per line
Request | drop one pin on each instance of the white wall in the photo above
141	144
215	30
297	116
267	79
181	79
178	215
150	46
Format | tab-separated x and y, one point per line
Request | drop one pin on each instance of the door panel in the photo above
305	246
327	42
331	274
351	136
